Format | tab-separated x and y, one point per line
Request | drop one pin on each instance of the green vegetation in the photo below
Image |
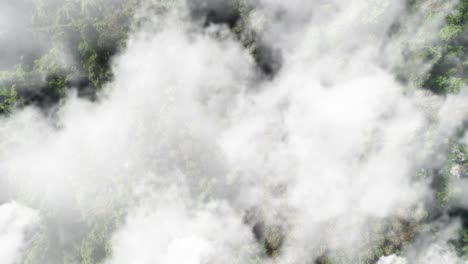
87	33
8	99
449	73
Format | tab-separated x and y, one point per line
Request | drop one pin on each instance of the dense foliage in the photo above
88	33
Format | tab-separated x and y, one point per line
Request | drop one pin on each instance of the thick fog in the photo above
210	158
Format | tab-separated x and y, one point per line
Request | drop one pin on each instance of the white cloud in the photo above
15	220
393	259
328	145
